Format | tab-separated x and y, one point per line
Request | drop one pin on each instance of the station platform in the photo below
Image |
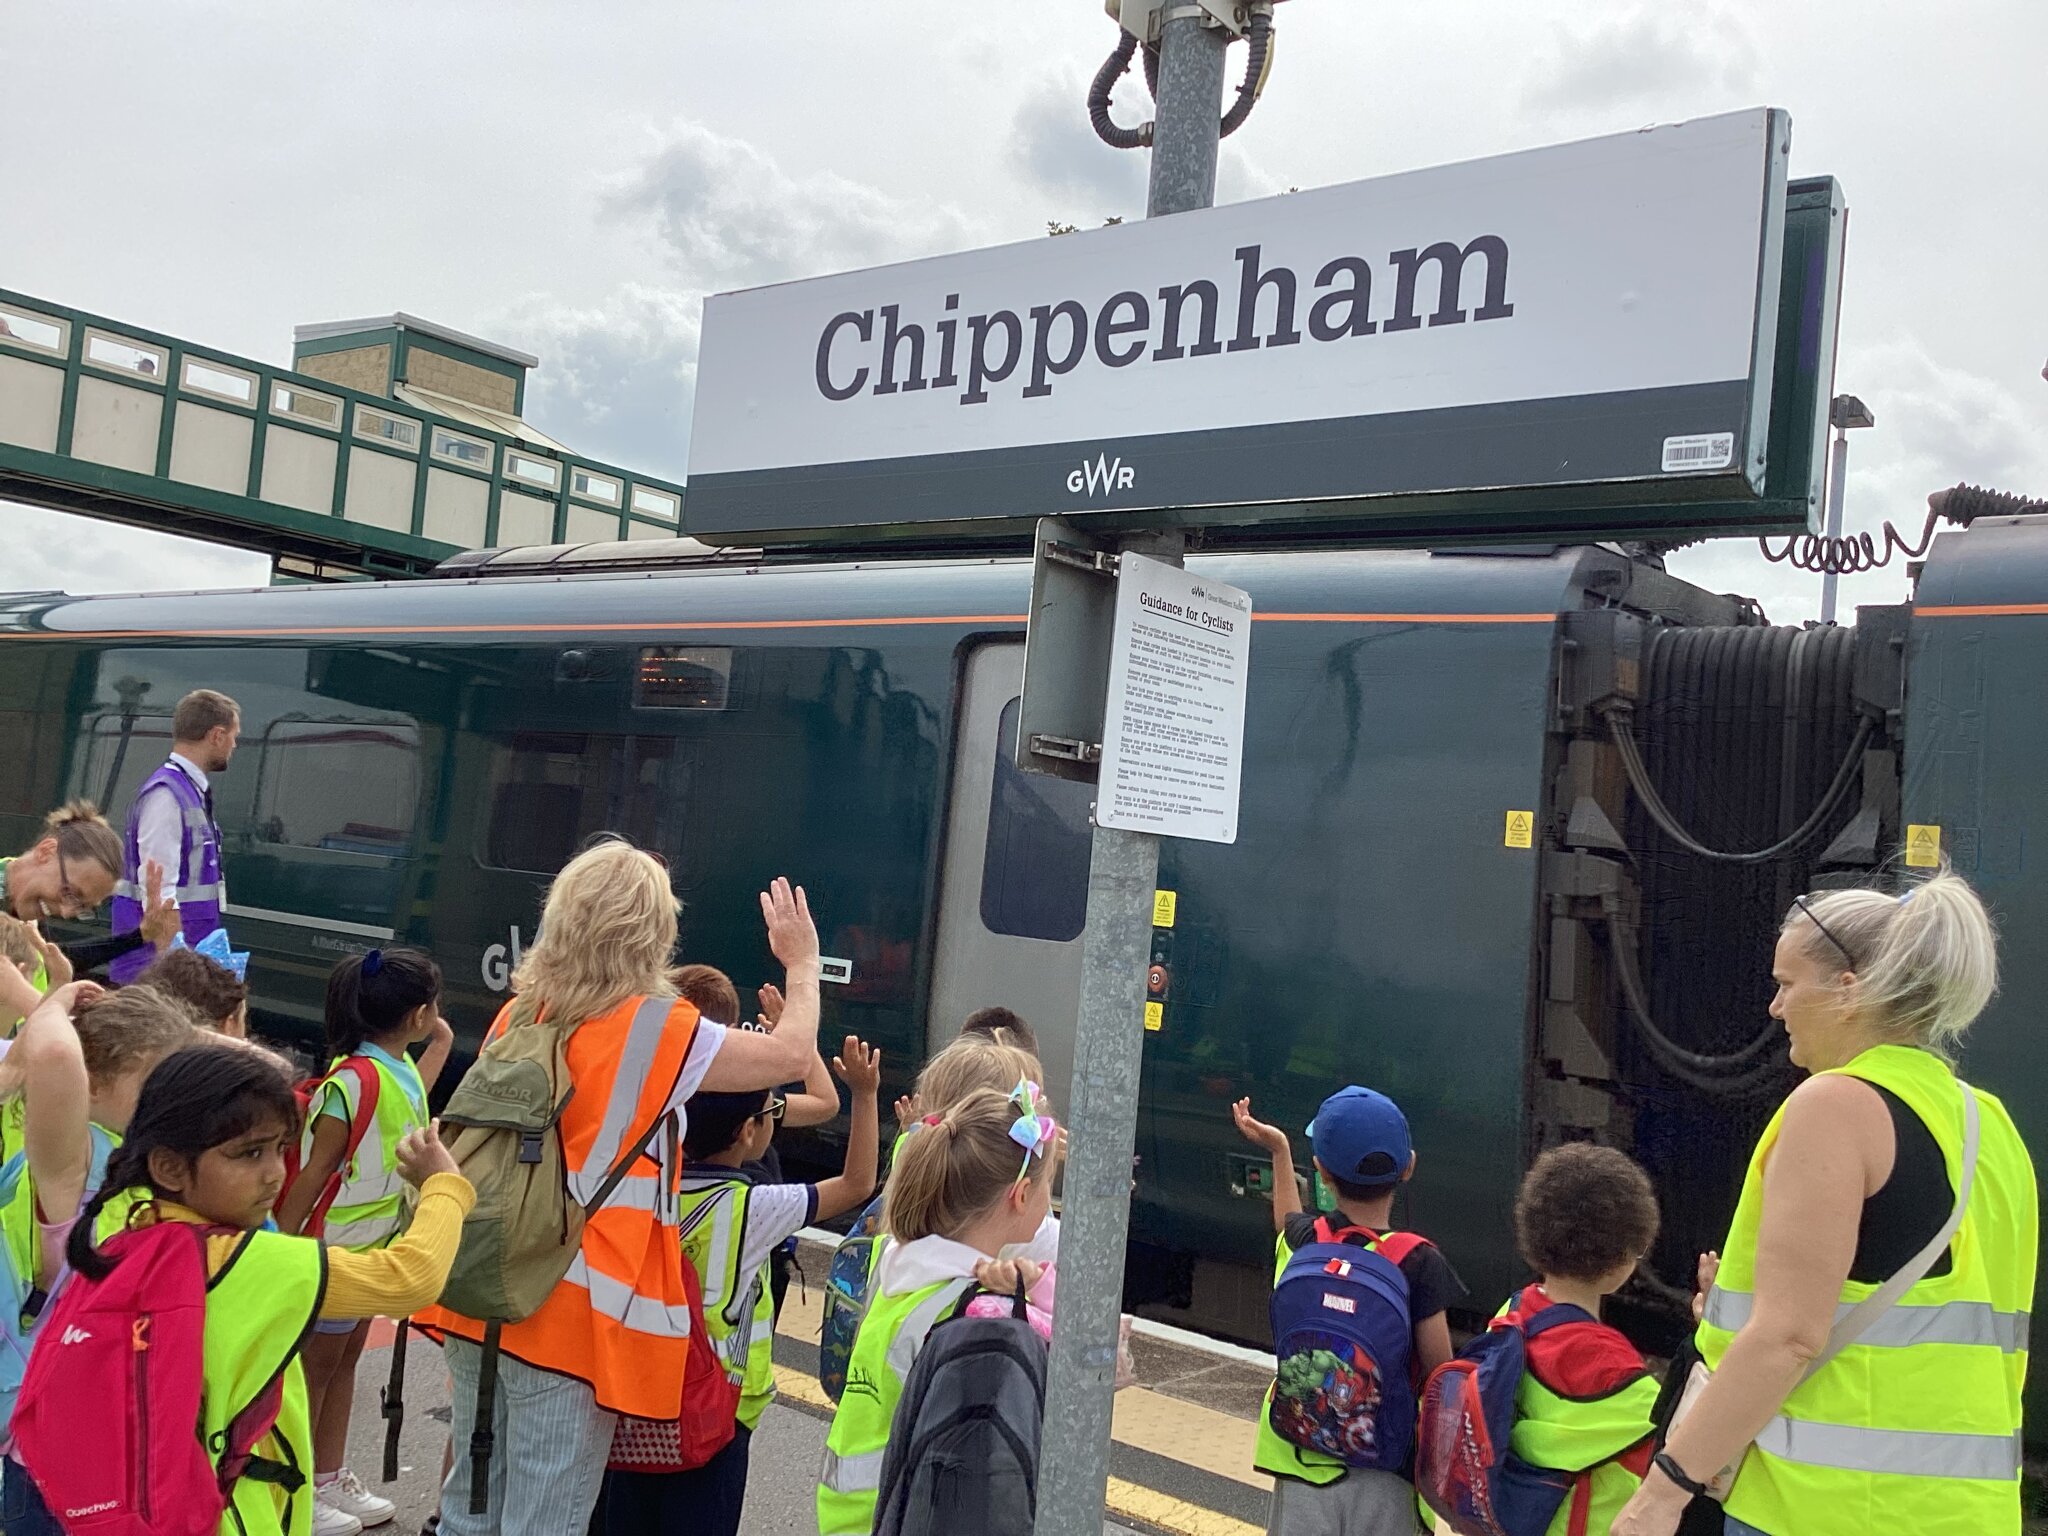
1181	1464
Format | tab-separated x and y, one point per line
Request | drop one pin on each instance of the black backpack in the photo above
963	1450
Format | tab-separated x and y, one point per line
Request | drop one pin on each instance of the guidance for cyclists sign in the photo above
1595	314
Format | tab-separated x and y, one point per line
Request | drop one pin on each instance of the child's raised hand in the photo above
71	997
56	964
859	1065
1006	1276
1257	1132
160	920
906	1112
421	1155
772	1003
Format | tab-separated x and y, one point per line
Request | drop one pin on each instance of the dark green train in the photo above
418	758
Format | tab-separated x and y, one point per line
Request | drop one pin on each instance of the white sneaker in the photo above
348	1495
329	1521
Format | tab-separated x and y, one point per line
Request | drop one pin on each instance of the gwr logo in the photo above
1101	477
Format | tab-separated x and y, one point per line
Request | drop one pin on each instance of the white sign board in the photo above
1585	314
1173	732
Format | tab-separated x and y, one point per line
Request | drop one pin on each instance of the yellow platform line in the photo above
1154	1426
1148	1506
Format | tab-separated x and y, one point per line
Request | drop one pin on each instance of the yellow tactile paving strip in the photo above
1188	1433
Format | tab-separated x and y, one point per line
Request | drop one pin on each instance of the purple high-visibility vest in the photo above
198	887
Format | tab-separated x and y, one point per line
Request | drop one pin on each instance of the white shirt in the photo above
703	1048
160	826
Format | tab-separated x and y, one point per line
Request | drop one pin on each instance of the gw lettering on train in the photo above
876	351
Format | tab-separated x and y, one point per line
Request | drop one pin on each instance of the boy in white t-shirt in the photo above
731	1225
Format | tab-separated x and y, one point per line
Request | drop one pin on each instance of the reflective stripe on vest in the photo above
197	883
1950	1322
1915	1425
620	1317
374	1201
258	1307
739	1312
890	1337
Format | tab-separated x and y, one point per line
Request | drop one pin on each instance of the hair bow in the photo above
1033	1129
214	947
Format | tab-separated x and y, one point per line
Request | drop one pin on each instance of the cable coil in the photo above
1258	34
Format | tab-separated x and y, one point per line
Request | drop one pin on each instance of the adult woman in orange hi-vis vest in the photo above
613	1336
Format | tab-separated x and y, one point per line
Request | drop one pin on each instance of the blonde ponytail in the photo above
1925	962
956	1166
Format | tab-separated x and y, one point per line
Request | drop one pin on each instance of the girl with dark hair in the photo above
206	1146
373	1097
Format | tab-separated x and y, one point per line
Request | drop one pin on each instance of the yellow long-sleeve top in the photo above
387	1282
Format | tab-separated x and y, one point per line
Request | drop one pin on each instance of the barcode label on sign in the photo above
1704	450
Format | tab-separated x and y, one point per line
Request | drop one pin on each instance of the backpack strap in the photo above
366	1116
1555	1315
1397	1246
627	1159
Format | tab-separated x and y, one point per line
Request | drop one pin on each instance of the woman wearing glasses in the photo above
69	872
1866	1331
614	1335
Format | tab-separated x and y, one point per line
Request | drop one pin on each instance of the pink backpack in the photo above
124	1354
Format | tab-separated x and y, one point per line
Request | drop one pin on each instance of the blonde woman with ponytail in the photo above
1830	1417
973	1182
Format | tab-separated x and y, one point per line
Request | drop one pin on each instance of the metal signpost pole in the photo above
1116	945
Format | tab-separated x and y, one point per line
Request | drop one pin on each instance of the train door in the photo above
1013	886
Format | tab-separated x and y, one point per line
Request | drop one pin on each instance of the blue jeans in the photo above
1737	1528
22	1511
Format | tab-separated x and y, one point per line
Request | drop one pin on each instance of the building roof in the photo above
401	321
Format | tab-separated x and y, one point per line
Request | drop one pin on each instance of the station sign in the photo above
1595	323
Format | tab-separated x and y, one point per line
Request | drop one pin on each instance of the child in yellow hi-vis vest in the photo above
1584	1219
372	1098
206	1147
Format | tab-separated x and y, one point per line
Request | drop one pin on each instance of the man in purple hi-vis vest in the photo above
172	823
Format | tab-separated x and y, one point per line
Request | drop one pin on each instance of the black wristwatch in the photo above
1664	1463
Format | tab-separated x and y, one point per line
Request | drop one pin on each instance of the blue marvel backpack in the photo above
1343	1341
1464	1468
847	1284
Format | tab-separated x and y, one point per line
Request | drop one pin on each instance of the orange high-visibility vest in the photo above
620	1318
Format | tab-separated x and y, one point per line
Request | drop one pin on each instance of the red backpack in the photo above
126	1356
366	1116
711	1401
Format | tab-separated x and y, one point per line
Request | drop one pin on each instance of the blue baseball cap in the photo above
1361	1137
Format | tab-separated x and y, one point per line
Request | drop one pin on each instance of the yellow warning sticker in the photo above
1923	847
1164	905
1155	1017
1521	829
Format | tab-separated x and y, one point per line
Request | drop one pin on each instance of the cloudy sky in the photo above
572	180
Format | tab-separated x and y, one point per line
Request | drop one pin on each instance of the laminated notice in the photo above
1702	450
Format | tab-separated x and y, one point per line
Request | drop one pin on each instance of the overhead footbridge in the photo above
389	445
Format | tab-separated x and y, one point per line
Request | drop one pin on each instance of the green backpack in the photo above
525	1229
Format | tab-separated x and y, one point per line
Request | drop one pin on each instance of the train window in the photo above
343	786
116	756
683	677
552	790
1034	873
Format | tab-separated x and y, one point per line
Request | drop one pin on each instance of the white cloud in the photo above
1936	425
1649	56
44	550
727	214
644	335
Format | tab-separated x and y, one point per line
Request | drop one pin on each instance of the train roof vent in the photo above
581	559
